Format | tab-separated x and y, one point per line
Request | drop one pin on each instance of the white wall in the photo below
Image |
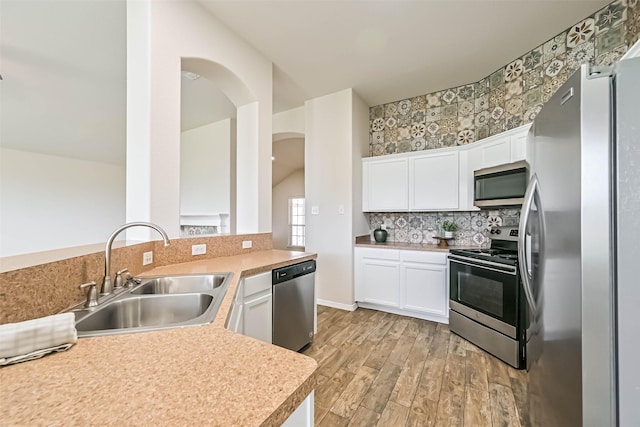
160	34
290	121
334	137
360	149
50	202
291	186
205	169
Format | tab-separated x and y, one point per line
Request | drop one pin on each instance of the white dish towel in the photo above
35	338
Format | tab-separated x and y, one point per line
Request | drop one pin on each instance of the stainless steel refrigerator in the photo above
580	251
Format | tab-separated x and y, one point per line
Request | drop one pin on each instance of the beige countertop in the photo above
190	376
365	241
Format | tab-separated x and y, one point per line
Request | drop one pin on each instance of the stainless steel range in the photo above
487	303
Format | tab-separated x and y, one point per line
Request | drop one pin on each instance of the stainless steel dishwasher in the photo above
294	305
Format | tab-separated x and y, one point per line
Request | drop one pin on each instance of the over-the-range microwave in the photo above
499	186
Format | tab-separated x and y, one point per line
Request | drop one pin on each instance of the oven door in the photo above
486	292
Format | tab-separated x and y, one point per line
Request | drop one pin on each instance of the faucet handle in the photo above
118	283
92	295
131	281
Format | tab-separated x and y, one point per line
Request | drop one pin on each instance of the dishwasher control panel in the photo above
292	271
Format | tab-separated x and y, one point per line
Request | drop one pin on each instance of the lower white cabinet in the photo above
408	282
252	310
425	278
303	415
378	274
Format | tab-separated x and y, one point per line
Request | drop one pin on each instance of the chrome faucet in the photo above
107	286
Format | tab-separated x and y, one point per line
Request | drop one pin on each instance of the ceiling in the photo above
288	156
391	49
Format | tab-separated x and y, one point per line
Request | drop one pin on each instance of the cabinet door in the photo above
385	185
433	182
377	278
425	288
519	146
495	153
258	317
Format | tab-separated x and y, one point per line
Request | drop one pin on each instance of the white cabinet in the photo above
518	144
385	184
303	415
433	182
507	147
257	308
424	278
406	282
436	180
377	276
252	310
495	152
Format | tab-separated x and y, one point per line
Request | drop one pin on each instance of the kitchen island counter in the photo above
196	375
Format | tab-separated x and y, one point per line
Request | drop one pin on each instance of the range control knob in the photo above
498	231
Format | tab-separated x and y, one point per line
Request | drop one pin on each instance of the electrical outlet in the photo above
198	249
383	226
246	244
147	258
315	210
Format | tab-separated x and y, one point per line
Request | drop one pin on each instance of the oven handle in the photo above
484	266
523	243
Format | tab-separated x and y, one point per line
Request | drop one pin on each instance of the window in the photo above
296	222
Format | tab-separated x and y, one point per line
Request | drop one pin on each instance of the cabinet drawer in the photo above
258	283
425	257
371	253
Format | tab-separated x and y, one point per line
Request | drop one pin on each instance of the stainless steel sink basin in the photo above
180	284
157	310
163	302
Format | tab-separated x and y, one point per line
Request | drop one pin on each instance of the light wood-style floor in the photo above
378	368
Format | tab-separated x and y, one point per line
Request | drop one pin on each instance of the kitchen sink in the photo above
181	284
161	302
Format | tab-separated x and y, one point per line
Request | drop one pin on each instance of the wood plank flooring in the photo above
382	369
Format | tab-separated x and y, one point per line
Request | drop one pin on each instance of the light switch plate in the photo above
147	258
246	244
198	249
341	209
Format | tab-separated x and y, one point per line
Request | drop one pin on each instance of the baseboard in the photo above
418	315
341	306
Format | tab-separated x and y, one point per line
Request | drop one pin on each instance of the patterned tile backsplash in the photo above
509	97
420	227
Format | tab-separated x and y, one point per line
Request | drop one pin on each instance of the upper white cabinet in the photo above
436	180
495	152
518	144
385	184
416	181
433	182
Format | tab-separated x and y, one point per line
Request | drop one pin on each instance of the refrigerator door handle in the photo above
524	245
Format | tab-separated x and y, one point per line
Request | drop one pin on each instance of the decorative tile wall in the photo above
509	97
198	230
420	227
